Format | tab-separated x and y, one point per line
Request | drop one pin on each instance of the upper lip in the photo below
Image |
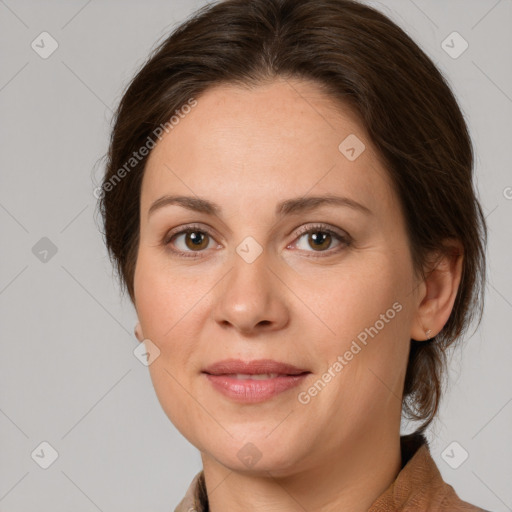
254	367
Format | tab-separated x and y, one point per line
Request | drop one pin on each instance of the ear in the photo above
138	332
438	291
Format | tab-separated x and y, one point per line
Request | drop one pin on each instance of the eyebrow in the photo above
288	207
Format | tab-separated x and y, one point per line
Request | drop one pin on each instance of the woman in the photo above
289	203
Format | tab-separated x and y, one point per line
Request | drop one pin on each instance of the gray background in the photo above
68	373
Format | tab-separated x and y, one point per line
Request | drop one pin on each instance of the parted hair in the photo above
364	61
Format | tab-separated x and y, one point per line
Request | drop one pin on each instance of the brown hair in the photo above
364	60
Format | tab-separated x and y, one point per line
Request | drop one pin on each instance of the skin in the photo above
247	150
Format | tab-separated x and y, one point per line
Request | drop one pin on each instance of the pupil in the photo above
319	238
196	238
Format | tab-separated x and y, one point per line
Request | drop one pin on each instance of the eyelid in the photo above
320	226
183	229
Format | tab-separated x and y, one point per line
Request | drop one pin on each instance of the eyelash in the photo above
315	228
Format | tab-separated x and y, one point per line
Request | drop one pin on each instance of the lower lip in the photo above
254	391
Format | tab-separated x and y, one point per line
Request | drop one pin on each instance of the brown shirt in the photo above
418	487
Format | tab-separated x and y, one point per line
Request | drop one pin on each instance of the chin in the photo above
258	457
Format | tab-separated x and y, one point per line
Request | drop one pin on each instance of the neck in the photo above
351	479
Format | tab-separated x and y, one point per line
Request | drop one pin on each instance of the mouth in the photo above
254	367
257	376
253	381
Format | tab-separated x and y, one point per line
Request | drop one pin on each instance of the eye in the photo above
320	238
191	239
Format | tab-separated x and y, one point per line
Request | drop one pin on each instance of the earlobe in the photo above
441	283
138	332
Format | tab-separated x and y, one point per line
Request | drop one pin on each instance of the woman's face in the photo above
275	273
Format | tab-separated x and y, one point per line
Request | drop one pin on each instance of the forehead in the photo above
250	144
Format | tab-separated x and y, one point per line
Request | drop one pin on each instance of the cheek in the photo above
165	310
163	297
177	402
366	308
353	297
170	305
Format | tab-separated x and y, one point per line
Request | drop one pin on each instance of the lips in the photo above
255	367
253	381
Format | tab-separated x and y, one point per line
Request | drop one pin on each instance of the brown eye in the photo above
319	240
189	241
196	240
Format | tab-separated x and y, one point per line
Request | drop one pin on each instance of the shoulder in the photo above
195	499
419	485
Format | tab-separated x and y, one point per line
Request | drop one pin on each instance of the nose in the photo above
252	298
